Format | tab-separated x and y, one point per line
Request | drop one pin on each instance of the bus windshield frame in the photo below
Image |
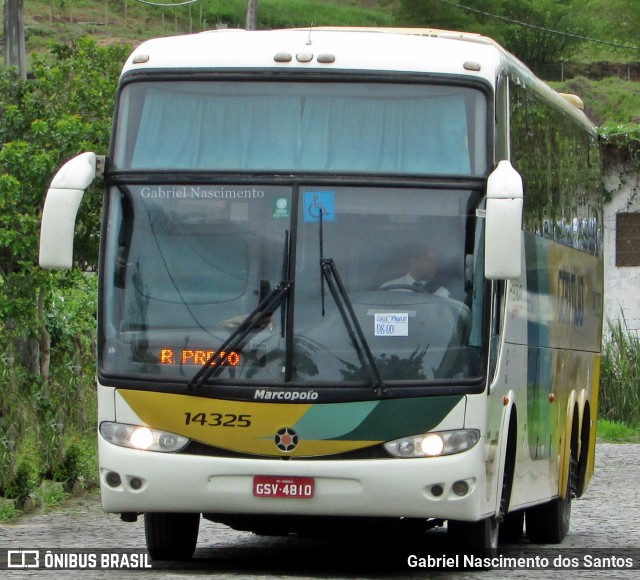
243	124
190	251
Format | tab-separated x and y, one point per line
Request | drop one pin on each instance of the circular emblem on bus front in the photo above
286	439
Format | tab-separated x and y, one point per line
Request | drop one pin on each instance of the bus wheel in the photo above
477	538
171	536
549	523
511	528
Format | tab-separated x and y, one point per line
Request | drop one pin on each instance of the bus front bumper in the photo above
450	487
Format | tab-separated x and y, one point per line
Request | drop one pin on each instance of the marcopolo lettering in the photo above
266	395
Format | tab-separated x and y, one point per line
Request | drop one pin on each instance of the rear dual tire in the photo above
549	523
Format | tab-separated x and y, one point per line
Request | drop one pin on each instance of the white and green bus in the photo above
256	369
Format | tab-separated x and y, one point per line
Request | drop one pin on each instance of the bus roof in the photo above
423	50
411	50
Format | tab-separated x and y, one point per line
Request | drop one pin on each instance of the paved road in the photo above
605	527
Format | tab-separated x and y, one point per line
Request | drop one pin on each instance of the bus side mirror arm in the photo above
61	208
503	226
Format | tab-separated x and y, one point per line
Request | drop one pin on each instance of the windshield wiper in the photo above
331	276
255	320
358	339
268	304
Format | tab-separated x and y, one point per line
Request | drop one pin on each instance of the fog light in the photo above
460	488
436	490
135	483
113	479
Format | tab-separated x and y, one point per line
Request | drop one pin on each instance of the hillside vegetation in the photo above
130	21
603	73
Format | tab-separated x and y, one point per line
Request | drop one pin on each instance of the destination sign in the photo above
171	356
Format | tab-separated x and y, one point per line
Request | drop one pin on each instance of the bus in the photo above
255	368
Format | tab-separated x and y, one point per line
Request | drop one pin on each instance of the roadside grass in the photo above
617	432
8	511
49	495
619	401
612	102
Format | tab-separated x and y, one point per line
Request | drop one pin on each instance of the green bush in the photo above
615	431
25	474
50	494
8	511
78	464
611	103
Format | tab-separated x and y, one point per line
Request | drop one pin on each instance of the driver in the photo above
422	270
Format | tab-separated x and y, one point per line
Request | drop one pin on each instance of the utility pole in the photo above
14	49
252	15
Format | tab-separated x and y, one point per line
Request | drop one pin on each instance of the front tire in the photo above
171	536
511	528
549	523
477	538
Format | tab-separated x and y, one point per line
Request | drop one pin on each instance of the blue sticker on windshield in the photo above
317	202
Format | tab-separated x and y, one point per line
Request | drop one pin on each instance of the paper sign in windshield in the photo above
391	324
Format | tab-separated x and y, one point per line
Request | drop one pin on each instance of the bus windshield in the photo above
186	264
245	126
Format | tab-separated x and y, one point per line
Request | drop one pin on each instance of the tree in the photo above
252	15
540	32
432	14
14	54
64	108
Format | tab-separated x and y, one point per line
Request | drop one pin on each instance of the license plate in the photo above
287	487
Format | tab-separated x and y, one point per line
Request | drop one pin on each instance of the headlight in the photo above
140	437
434	444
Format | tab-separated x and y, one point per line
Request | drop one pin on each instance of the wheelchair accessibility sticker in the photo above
317	202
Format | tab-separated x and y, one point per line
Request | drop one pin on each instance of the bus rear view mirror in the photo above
60	210
503	226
